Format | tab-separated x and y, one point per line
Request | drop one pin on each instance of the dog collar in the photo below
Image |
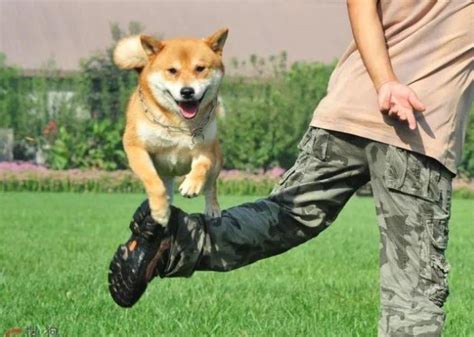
195	133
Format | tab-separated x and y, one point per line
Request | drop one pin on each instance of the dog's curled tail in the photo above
129	53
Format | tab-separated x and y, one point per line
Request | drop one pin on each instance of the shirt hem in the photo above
373	134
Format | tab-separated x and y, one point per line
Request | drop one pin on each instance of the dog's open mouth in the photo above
189	109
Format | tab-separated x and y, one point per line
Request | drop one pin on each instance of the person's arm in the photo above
395	99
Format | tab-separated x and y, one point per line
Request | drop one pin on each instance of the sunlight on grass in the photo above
55	250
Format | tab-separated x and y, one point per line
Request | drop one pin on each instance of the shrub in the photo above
266	117
97	145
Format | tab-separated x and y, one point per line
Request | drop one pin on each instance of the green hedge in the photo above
126	182
112	182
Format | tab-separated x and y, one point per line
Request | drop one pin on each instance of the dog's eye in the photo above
173	71
200	69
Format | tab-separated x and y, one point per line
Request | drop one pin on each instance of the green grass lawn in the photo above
55	250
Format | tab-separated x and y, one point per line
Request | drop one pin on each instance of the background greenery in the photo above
55	250
266	113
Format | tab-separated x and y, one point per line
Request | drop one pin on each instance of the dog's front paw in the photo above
190	187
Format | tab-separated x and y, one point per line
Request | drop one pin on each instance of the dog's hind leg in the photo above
210	194
210	188
169	184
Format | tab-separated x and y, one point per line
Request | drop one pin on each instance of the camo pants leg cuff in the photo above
397	321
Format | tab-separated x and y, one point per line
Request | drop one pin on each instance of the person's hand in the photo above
399	101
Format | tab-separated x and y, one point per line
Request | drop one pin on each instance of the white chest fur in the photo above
172	150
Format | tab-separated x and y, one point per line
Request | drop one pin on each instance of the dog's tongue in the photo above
189	109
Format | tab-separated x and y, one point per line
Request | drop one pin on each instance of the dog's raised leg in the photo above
142	165
194	181
210	194
205	169
210	188
169	185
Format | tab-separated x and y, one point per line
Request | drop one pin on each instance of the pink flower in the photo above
20	166
276	172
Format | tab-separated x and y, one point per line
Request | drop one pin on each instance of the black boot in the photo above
140	259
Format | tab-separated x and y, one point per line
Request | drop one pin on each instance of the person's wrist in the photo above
379	86
386	83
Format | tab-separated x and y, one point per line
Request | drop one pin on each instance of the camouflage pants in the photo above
412	195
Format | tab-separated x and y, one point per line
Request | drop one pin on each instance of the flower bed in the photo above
21	176
24	176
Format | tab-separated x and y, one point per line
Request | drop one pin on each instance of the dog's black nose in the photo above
187	92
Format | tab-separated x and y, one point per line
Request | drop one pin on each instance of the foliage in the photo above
463	193
268	108
104	87
24	177
98	145
8	99
266	117
69	181
30	102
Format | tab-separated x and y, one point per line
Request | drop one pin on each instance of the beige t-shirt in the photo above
431	46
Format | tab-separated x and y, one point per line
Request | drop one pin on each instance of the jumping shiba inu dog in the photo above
171	116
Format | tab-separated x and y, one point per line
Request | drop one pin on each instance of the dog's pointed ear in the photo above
150	45
129	53
217	40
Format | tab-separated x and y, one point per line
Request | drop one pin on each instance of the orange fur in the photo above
155	153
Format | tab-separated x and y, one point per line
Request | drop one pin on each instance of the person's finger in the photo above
402	116
393	114
411	119
415	102
384	100
394	108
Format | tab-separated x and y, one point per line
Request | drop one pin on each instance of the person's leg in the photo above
330	168
412	194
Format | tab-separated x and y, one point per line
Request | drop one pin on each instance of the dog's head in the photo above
181	74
